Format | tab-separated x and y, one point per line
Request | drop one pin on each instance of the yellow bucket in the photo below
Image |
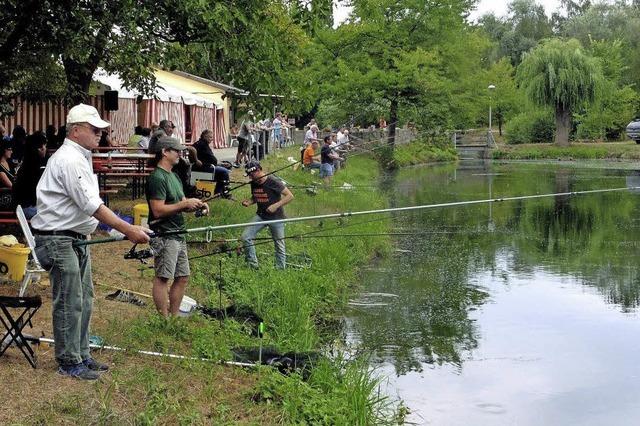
141	214
13	261
204	188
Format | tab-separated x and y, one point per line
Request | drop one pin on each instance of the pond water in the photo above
520	312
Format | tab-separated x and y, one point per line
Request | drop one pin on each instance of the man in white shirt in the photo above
69	209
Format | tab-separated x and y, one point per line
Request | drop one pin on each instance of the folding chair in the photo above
27	307
33	269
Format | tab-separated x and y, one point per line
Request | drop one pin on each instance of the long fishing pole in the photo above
365	212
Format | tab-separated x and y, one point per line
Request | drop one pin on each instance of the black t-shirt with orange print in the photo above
265	194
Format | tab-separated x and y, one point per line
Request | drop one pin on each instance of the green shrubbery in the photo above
530	127
422	151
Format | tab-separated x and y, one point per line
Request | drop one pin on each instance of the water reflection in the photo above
458	287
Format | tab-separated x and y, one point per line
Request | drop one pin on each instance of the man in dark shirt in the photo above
270	194
166	201
210	162
327	157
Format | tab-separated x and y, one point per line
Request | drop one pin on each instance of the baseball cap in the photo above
167	142
251	167
83	113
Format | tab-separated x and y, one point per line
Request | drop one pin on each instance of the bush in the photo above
530	127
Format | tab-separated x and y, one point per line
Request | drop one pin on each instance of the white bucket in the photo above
187	306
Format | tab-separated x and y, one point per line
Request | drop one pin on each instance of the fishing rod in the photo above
267	240
222	194
240	185
304	236
155	354
210	229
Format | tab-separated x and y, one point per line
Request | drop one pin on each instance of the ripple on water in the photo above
491	408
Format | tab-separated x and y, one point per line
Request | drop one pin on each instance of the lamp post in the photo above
491	89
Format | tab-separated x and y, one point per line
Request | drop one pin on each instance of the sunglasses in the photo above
95	130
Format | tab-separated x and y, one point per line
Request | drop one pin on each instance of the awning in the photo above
164	92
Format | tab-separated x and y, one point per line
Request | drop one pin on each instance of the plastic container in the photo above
186	306
141	214
13	261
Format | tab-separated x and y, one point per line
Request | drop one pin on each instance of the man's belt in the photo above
71	234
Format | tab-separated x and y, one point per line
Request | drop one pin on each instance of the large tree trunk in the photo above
78	81
393	122
563	125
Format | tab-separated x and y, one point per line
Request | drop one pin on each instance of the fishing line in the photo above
305	236
362	213
268	240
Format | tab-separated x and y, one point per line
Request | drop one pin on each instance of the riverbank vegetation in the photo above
577	151
422	151
301	307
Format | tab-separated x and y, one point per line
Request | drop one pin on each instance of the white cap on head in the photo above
83	113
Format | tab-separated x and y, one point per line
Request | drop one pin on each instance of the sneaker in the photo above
94	365
78	371
236	165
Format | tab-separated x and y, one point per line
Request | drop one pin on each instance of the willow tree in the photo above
560	74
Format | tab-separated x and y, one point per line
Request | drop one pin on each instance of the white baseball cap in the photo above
83	113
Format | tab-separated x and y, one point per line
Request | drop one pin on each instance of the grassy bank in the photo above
422	152
301	309
577	151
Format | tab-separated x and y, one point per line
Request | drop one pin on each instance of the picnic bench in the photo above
115	170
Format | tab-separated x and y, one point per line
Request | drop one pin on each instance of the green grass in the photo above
300	308
421	152
577	151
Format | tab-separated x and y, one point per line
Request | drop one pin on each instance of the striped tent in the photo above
220	139
37	116
202	118
123	121
155	111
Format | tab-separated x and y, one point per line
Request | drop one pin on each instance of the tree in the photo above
399	55
525	25
560	74
266	54
505	97
617	103
124	36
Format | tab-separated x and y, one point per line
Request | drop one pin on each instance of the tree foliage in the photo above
403	60
561	75
128	36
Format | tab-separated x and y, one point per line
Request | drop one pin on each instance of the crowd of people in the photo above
23	158
331	155
64	204
278	131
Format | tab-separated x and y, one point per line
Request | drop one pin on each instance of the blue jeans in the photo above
220	175
72	292
277	233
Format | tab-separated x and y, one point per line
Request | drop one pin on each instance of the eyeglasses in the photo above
95	130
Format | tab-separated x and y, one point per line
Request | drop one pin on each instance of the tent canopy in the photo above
164	92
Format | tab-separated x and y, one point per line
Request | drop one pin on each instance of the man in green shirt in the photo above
166	203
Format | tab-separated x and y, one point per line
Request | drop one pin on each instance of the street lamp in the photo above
491	89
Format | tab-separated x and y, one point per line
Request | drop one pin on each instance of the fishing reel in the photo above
226	190
141	255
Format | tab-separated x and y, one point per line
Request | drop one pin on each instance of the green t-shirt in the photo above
164	185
